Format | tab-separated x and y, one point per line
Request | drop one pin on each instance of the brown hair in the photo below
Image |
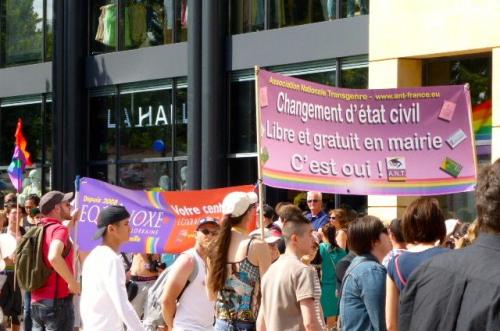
423	222
3	219
9	206
396	229
218	252
280	205
340	217
363	233
293	222
488	198
329	232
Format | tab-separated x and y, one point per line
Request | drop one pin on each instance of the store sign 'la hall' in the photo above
149	116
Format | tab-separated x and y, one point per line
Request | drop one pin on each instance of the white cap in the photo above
237	203
270	236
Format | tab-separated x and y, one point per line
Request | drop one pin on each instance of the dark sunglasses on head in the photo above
312	200
206	232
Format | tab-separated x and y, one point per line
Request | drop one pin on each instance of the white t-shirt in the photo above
104	304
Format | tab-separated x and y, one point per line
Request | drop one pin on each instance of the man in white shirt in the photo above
104	305
189	304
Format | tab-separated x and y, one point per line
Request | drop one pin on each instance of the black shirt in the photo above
459	290
341	268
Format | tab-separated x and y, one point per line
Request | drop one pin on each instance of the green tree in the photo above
23	31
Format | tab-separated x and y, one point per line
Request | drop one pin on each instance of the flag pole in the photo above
259	163
19	185
76	221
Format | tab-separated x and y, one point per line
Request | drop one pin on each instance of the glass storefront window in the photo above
36	129
181	120
242	171
476	71
102	127
180	181
298	12
182	20
354	72
104	172
246	15
326	78
30	113
148	23
22	32
146	176
140	119
146	121
137	24
352	8
49	31
250	15
242	116
48	132
103	26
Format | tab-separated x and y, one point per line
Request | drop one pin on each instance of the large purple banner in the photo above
160	222
406	141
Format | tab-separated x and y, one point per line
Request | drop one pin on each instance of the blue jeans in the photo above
27	311
221	325
53	315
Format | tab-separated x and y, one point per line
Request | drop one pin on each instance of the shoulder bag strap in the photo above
248	246
398	272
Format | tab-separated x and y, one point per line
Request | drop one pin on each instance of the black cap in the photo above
51	199
110	215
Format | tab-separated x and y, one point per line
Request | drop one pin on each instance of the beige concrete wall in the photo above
427	28
495	143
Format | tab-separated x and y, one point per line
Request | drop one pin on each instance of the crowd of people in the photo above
305	270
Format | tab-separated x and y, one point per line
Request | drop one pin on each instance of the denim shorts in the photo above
53	315
222	325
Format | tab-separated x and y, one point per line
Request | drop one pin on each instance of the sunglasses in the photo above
312	200
206	232
332	217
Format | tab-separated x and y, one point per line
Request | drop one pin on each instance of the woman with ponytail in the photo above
331	254
236	264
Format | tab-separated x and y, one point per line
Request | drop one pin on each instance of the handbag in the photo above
132	289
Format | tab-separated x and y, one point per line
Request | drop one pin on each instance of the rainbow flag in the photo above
482	120
20	158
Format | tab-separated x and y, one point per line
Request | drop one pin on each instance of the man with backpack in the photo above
185	303
51	304
104	305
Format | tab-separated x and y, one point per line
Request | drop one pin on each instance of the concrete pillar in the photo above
69	92
213	138
194	95
495	87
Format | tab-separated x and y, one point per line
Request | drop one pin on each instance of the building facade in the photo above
151	94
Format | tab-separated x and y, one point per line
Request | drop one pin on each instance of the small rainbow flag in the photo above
20	158
482	120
